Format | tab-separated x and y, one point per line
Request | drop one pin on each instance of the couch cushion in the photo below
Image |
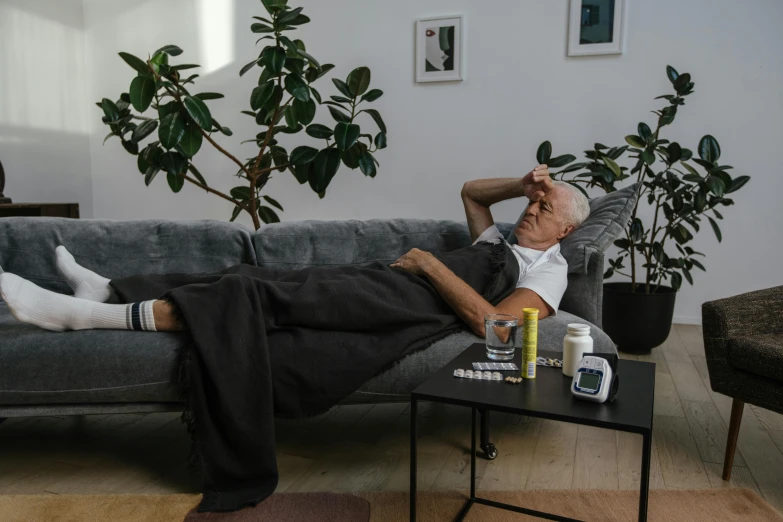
118	249
98	366
609	215
759	354
415	368
300	244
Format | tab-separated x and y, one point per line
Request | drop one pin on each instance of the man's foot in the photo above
85	283
48	310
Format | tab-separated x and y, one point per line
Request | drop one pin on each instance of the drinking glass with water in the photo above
500	334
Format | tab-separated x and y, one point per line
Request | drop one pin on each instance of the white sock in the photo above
56	312
85	283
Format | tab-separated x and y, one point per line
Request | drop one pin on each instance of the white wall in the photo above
520	89
44	126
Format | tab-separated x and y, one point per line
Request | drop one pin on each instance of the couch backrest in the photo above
118	249
301	244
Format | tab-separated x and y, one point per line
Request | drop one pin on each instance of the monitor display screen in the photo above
589	381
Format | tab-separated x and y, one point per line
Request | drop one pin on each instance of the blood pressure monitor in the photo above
594	380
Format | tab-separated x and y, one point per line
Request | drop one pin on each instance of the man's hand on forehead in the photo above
537	183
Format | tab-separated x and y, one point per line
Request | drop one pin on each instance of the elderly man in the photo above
555	209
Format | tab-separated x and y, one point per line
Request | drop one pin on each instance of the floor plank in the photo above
629	463
595	466
516	447
667	402
740	477
681	464
709	431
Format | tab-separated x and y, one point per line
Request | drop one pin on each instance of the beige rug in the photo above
716	505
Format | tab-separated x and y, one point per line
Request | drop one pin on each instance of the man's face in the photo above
542	224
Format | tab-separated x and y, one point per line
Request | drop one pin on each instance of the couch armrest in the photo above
743	315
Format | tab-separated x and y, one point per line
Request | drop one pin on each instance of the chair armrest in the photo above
753	313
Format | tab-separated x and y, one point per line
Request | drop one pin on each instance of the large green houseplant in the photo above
285	101
682	189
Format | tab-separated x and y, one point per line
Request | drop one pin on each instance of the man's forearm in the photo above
489	191
465	301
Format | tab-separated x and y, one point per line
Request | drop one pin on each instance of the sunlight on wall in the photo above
42	73
216	29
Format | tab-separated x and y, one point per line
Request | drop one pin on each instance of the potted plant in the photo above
284	102
682	189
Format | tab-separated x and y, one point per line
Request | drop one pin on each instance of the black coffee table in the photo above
549	397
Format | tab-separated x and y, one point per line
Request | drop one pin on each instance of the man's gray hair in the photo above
578	208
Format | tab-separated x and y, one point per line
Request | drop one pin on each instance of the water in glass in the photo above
501	332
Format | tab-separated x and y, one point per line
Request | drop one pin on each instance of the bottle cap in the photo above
578	328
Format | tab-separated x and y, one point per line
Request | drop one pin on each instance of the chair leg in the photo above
731	444
490	452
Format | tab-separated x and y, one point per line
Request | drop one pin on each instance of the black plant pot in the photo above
637	322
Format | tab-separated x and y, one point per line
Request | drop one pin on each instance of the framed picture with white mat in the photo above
439	49
596	27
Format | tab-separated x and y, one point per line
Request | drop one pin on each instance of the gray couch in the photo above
45	373
91	372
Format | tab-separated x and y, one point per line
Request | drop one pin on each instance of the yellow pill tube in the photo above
529	342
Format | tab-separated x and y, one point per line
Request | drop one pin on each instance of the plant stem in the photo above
213	191
652	242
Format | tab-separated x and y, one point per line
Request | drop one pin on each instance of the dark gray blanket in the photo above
293	343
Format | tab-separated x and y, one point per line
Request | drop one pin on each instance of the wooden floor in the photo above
365	448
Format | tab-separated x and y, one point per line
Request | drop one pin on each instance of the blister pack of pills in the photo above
478	375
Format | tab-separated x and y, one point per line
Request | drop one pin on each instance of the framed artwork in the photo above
439	49
596	27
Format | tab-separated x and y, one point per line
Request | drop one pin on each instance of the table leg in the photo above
645	487
473	456
413	460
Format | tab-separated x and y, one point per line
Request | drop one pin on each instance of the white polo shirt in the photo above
543	272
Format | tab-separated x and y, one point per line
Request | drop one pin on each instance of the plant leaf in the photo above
261	95
305	111
339	115
326	165
613	166
346	134
645	133
672	73
150	174
342	87
380	140
359	81
297	87
737	183
309	58
367	164
176	182
191	140
171	129
142	90
319	131
209	96
635	141
377	117
268	215
273	202
137	63
544	153
247	67
303	155
716	229
199	112
561	161
273	58
709	149
143	130
372	95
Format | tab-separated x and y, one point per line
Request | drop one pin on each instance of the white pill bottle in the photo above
576	343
